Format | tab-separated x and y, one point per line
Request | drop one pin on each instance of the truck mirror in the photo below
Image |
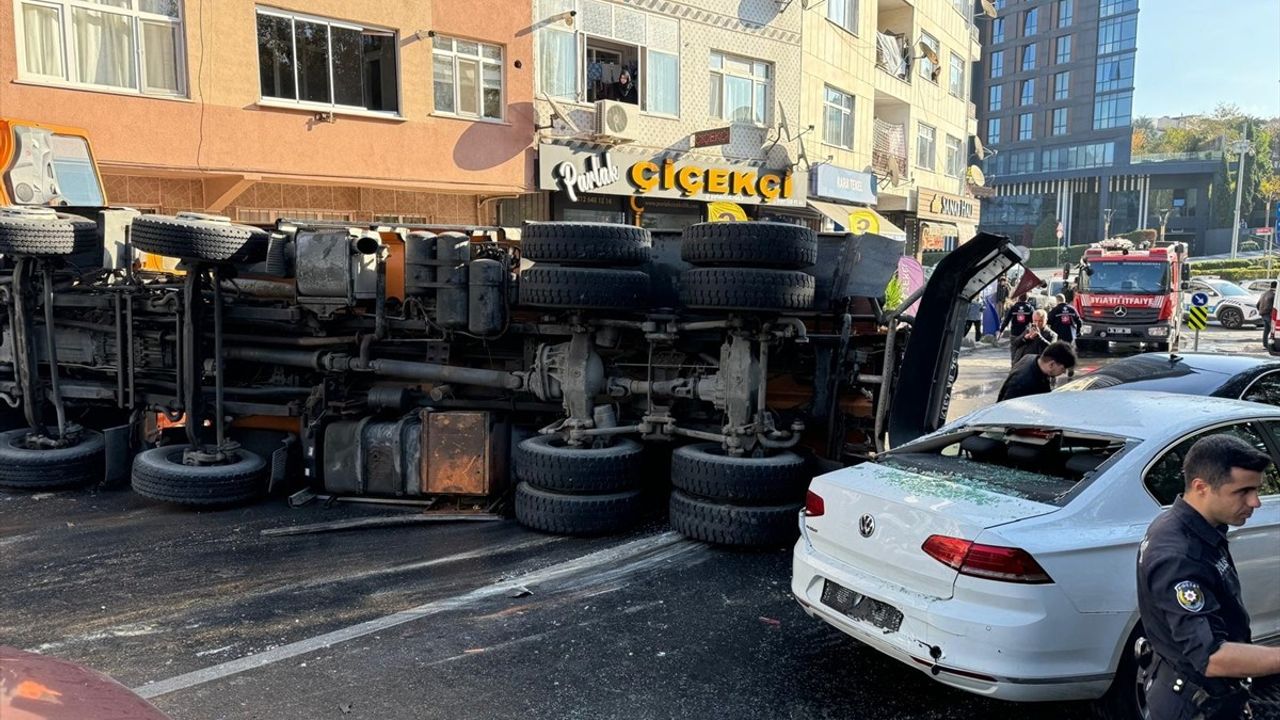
1185	286
1186	271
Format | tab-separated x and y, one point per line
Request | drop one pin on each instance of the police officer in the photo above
1189	593
1064	320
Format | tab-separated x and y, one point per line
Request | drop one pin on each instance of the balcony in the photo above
893	55
1200	156
889	149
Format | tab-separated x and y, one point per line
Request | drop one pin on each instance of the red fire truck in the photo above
1130	295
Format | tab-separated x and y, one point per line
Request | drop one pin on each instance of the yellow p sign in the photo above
862	222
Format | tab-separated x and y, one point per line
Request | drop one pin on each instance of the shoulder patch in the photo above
1189	595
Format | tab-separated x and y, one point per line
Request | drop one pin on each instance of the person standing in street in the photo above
1266	304
975	319
1189	595
1017	317
1034	339
1002	296
1064	320
1034	374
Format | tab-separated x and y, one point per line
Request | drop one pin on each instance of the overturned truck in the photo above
565	375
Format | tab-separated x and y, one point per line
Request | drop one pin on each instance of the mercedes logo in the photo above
1121	312
866	525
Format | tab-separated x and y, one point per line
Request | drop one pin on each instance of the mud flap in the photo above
933	350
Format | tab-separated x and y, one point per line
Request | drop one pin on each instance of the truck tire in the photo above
749	244
47	234
554	286
546	463
583	243
704	469
764	526
1231	318
24	468
747	289
160	475
580	515
199	237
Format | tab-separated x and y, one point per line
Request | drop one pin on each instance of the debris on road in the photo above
378	522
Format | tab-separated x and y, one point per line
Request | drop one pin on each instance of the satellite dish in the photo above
978	148
928	52
988	8
976	177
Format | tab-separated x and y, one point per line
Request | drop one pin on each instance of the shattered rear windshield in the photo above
1040	466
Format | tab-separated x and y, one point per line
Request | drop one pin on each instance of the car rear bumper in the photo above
1013	652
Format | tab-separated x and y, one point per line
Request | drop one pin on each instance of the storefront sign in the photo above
836	183
942	206
578	172
708	138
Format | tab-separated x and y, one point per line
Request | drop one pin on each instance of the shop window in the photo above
838	109
466	77
926	146
119	45
317	62
741	88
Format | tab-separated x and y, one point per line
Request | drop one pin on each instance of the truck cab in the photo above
1129	295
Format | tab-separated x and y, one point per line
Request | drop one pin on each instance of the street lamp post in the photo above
1106	223
1242	148
1164	221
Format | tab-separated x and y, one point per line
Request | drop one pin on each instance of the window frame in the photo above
1065	90
1112	8
1031	22
1068	18
1053	122
1264	433
997	68
997	30
768	83
1061	58
331	106
953	168
1268	375
1027	92
1123	41
1028	51
995	104
851	9
995	123
66	26
933	143
1114	119
936	46
1123	82
1031	127
482	60
956	75
847	116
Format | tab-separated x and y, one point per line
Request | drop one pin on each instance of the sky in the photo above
1194	54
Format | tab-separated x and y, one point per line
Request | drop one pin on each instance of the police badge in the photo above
1189	595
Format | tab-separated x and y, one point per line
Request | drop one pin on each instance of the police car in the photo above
997	554
1231	305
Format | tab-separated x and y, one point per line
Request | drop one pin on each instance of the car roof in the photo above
1125	413
1153	362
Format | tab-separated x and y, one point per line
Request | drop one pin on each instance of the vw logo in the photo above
1121	312
866	525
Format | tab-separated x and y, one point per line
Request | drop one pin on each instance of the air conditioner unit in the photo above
618	121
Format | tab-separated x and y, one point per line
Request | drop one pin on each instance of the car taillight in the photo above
991	562
813	505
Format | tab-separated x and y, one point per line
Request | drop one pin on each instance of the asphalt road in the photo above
211	619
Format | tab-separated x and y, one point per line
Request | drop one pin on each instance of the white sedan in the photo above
998	553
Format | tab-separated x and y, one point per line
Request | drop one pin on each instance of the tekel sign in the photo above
836	183
578	173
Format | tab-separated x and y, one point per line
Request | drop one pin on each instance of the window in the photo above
1115	74
1078	157
926	146
1059	122
956	78
1062	52
1111	111
1024	126
558	64
1107	8
838	128
1028	94
1031	22
1029	57
997	30
1021	163
321	62
1066	13
1117	34
997	63
927	68
955	158
844	13
1266	390
467	77
116	44
996	93
993	131
1164	479
1061	85
740	88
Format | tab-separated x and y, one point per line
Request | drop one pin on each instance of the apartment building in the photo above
316	109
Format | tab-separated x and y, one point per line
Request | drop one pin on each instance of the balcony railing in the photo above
1197	156
889	148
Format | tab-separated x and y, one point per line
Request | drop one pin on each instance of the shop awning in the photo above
839	214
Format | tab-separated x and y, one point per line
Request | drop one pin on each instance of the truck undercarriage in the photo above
209	364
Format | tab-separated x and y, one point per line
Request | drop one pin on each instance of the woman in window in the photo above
624	90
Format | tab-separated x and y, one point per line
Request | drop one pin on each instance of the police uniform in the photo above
1189	600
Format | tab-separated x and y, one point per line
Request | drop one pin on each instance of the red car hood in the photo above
35	687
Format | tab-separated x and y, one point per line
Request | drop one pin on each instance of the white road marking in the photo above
610	558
